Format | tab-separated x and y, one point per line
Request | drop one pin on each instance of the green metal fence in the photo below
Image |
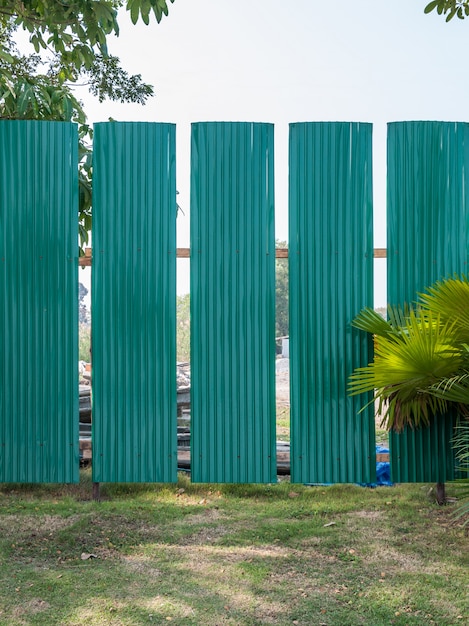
39	310
428	220
331	280
134	303
232	303
232	296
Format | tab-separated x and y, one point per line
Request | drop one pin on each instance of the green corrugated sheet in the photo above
39	312
331	276
428	212
134	303
232	303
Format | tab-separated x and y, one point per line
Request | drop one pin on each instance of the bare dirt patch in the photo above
26	524
141	565
369	515
32	607
206	535
207	516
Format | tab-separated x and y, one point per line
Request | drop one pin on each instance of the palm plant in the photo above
421	363
421	357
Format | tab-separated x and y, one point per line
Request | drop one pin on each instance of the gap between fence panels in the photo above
185	253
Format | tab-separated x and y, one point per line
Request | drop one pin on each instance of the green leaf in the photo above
431	6
454	389
4	56
23	99
134	7
398	316
450	299
372	322
451	14
145	9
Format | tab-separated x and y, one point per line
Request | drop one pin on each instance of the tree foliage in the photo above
449	8
84	342
77	30
183	317
83	314
281	294
69	45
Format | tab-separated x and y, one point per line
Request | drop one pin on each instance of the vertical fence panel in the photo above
232	303
39	311
331	276
428	187
134	303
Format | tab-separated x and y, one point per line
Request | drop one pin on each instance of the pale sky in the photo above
303	60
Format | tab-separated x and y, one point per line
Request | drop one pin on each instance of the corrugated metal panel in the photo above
134	303
428	187
39	312
331	280
232	303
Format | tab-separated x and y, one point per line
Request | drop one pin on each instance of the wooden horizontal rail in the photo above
185	253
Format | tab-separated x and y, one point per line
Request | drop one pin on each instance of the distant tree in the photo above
281	293
70	47
83	315
449	8
84	343
183	321
73	36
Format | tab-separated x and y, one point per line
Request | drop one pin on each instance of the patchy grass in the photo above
232	554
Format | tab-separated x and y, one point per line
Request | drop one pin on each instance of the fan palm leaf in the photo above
407	363
372	322
460	444
454	389
450	299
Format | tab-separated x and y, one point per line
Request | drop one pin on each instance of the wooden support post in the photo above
96	492
441	493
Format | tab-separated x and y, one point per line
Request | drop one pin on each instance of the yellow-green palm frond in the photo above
405	366
450	299
397	315
460	443
372	322
454	389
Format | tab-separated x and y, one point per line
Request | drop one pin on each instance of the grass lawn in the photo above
211	555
